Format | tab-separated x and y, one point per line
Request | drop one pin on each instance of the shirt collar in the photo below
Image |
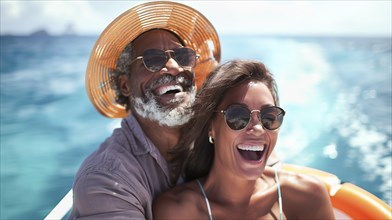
143	144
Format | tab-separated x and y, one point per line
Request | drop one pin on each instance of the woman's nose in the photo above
256	127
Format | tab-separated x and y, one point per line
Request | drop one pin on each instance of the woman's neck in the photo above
225	188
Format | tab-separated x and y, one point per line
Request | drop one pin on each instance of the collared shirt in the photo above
121	178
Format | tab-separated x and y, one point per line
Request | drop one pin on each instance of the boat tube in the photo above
348	200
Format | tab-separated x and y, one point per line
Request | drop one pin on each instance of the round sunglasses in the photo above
155	59
237	117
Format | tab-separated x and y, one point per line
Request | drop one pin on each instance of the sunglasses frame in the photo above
169	54
259	116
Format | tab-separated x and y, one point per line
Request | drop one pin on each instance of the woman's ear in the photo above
124	85
211	132
211	136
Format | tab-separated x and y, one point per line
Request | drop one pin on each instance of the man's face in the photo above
164	96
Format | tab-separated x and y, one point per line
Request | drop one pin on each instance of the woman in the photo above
231	135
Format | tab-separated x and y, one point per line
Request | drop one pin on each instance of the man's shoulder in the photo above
111	158
110	171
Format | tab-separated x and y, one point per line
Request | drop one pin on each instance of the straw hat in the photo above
190	25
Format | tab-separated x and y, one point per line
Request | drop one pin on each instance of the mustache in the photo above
179	79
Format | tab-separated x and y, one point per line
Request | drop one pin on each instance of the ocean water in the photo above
336	91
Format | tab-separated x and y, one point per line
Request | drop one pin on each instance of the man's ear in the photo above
124	85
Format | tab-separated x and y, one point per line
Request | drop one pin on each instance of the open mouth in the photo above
251	152
170	94
168	90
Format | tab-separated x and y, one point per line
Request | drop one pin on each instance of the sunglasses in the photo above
155	59
238	117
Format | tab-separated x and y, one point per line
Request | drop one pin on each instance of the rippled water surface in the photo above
336	91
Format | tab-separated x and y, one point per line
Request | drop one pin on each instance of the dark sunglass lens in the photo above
185	57
154	59
237	117
271	117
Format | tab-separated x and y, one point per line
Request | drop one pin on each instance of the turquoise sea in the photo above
336	91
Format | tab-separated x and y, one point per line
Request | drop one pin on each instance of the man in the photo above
145	68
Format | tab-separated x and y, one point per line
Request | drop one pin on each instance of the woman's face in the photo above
244	152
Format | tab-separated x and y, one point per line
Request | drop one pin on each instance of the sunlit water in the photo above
336	91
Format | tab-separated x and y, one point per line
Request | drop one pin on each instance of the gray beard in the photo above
171	117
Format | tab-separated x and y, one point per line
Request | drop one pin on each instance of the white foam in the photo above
330	151
372	146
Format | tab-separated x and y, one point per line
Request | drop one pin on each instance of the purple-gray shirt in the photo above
121	178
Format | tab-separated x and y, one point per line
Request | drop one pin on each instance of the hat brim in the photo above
187	23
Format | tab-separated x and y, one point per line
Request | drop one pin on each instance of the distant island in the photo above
40	33
69	31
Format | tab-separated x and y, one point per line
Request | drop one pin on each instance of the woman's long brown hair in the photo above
194	154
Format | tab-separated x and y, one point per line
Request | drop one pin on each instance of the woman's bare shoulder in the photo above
303	184
305	195
297	185
179	202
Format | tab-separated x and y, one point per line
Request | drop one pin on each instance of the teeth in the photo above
251	148
165	89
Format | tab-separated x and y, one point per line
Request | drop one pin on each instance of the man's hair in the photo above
194	148
123	68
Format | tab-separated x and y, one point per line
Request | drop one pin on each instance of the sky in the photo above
316	17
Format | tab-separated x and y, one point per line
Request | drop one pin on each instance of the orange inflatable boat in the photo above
349	201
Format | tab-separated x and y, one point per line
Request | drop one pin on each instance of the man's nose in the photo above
172	67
